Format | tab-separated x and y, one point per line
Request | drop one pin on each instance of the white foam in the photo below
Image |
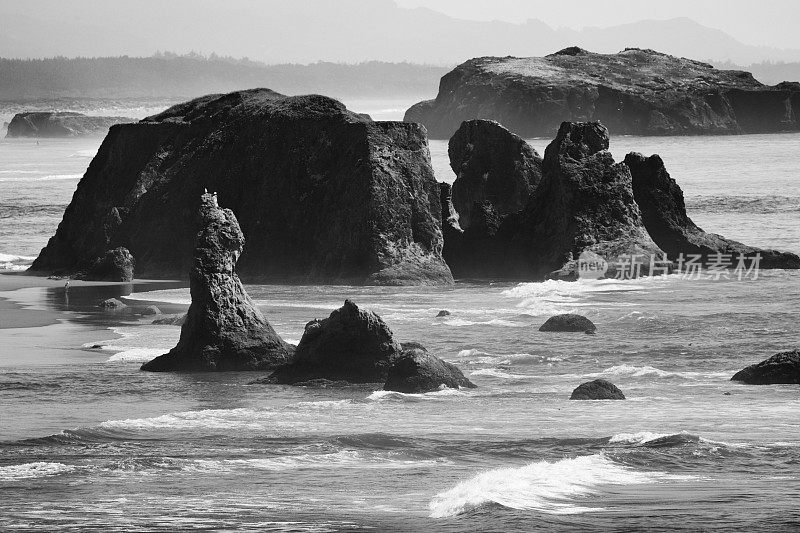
647	371
172	296
460	322
33	470
214	419
15	262
443	392
135	355
11	258
497	373
549	487
640	437
340	459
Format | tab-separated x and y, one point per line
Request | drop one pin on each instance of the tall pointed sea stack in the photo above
224	330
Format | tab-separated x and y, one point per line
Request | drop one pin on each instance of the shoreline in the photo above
38	316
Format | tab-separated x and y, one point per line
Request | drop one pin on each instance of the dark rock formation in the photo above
660	200
781	368
150	310
638	92
322	194
599	389
584	203
224	331
442	313
491	165
60	124
114	265
112	303
568	322
170	320
415	371
352	344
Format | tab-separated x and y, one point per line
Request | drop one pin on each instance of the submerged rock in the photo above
352	344
781	368
416	370
491	165
599	389
112	303
322	194
568	323
663	209
60	124
114	265
634	92
443	313
223	331
150	310
584	204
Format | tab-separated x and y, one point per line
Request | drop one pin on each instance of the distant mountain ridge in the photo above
306	31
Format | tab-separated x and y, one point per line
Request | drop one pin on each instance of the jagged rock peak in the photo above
223	330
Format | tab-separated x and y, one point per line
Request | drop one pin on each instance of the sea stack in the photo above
223	331
323	194
661	202
633	92
584	203
355	345
60	124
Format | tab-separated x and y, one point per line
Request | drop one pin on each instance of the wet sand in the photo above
42	322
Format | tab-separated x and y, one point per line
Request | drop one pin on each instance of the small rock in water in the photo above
352	344
151	310
570	323
599	389
781	368
112	303
443	312
416	371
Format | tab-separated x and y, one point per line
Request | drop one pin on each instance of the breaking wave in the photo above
33	470
549	487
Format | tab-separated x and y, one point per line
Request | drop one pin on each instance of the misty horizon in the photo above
414	31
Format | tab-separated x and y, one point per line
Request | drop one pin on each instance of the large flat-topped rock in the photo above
632	92
322	194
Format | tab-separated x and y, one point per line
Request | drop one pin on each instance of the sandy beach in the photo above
42	322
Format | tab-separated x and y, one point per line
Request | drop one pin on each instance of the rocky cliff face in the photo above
491	165
660	199
639	92
584	203
322	194
223	330
60	124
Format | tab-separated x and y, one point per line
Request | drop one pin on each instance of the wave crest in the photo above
549	487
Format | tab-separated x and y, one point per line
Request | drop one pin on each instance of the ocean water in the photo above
89	442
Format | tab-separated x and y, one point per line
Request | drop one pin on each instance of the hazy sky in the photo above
766	22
